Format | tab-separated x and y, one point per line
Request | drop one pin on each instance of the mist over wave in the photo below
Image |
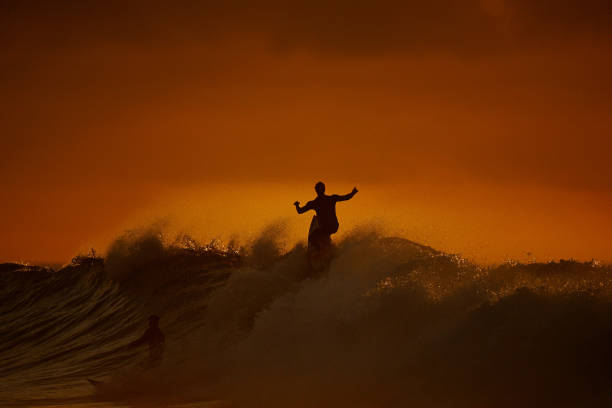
391	323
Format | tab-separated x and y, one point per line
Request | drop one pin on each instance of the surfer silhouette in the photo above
154	337
325	222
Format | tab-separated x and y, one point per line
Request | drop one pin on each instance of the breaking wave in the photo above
390	323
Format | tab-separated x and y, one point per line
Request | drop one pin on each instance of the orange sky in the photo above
480	127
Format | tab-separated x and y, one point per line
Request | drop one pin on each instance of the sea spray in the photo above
390	323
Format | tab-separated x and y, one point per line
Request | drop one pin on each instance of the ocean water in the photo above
390	323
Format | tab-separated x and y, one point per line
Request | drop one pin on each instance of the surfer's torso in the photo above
325	207
155	339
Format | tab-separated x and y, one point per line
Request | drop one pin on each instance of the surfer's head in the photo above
320	188
153	321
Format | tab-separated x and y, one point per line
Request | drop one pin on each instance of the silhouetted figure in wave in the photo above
325	222
155	339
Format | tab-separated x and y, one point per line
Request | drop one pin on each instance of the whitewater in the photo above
390	323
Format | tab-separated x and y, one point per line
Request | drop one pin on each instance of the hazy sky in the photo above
482	127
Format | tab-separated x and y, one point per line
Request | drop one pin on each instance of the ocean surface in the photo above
390	323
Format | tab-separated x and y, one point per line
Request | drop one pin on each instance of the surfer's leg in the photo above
320	239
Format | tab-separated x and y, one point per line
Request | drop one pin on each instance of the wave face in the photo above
390	323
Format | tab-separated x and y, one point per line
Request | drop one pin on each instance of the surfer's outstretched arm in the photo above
347	196
302	210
